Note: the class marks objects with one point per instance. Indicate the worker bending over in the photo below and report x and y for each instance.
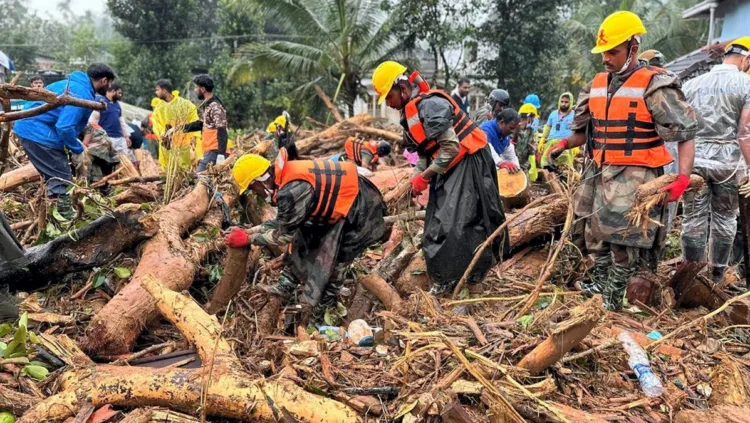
(456, 165)
(721, 98)
(498, 132)
(365, 154)
(281, 132)
(634, 110)
(327, 214)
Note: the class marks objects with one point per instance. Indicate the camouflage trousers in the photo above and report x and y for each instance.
(286, 288)
(718, 165)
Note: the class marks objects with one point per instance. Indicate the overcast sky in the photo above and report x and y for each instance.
(49, 7)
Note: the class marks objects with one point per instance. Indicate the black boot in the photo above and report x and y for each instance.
(65, 207)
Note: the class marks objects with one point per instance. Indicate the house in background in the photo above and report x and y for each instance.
(727, 21)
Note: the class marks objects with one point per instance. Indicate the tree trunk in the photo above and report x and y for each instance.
(230, 392)
(18, 177)
(306, 145)
(235, 275)
(166, 256)
(383, 290)
(537, 222)
(91, 246)
(327, 100)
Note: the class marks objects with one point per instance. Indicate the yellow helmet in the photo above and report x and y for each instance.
(739, 46)
(248, 168)
(528, 108)
(616, 29)
(384, 76)
(280, 120)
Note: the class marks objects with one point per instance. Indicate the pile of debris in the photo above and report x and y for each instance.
(97, 339)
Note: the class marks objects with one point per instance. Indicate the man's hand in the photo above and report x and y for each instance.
(237, 238)
(77, 161)
(512, 168)
(745, 185)
(220, 159)
(557, 149)
(676, 188)
(130, 143)
(419, 184)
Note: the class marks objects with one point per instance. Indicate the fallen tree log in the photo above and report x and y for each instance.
(569, 334)
(17, 177)
(307, 145)
(235, 275)
(383, 291)
(114, 329)
(537, 222)
(91, 246)
(327, 100)
(724, 414)
(220, 389)
(380, 133)
(12, 91)
(16, 402)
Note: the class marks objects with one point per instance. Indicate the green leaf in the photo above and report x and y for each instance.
(418, 272)
(341, 310)
(99, 280)
(525, 321)
(9, 350)
(35, 372)
(56, 214)
(5, 329)
(20, 352)
(20, 335)
(24, 321)
(122, 272)
(51, 230)
(464, 294)
(33, 338)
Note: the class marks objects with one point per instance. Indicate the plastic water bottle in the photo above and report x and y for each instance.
(638, 361)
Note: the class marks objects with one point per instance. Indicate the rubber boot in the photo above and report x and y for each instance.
(596, 278)
(617, 284)
(65, 207)
(717, 274)
(691, 252)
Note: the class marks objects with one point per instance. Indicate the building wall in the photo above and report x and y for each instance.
(736, 15)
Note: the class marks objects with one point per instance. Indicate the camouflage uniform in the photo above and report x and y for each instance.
(525, 146)
(481, 115)
(606, 195)
(101, 154)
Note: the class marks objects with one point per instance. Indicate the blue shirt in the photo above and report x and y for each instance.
(60, 126)
(497, 140)
(560, 129)
(109, 119)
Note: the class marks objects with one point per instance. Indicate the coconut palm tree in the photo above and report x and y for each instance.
(331, 43)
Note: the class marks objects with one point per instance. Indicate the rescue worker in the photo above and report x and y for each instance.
(558, 128)
(365, 154)
(213, 124)
(281, 132)
(496, 102)
(652, 58)
(50, 140)
(456, 165)
(461, 94)
(525, 139)
(498, 132)
(169, 115)
(112, 121)
(626, 153)
(101, 154)
(326, 212)
(721, 98)
(534, 99)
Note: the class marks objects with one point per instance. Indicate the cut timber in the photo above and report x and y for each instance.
(235, 275)
(553, 182)
(379, 133)
(114, 329)
(723, 414)
(16, 402)
(569, 334)
(655, 186)
(383, 291)
(683, 279)
(229, 391)
(642, 287)
(414, 277)
(537, 222)
(17, 177)
(91, 246)
(306, 145)
(728, 385)
(514, 188)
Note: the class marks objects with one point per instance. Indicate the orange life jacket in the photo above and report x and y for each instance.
(336, 184)
(470, 137)
(353, 148)
(624, 131)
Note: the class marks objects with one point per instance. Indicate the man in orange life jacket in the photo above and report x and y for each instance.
(213, 123)
(327, 214)
(456, 165)
(629, 112)
(365, 154)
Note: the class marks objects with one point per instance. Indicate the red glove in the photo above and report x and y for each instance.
(512, 168)
(419, 184)
(676, 188)
(237, 238)
(558, 149)
(538, 158)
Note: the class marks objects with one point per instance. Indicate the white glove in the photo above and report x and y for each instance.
(745, 184)
(220, 159)
(169, 133)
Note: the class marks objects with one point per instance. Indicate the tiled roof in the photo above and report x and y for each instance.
(698, 62)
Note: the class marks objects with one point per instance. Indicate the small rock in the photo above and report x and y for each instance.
(305, 349)
(382, 350)
(265, 366)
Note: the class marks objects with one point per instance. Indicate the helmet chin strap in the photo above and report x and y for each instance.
(631, 54)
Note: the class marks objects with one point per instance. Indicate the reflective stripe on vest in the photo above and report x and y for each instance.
(624, 133)
(353, 148)
(335, 186)
(470, 137)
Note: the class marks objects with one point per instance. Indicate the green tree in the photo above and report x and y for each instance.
(18, 33)
(333, 43)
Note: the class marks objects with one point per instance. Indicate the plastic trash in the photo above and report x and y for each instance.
(655, 335)
(360, 333)
(332, 333)
(638, 361)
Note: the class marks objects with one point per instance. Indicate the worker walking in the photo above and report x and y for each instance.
(213, 124)
(633, 110)
(456, 165)
(171, 113)
(328, 215)
(498, 100)
(721, 98)
(365, 154)
(558, 128)
(48, 138)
